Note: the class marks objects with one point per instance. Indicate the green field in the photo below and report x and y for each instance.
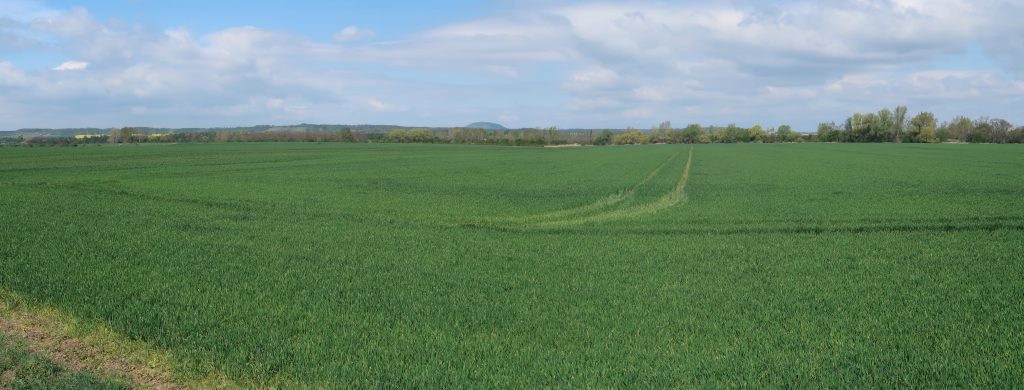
(360, 265)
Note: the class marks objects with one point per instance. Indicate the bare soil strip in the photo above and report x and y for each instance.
(92, 348)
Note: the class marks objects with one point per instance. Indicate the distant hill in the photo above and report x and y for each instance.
(29, 133)
(69, 132)
(485, 126)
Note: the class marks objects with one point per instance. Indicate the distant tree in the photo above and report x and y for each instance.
(922, 128)
(731, 134)
(418, 135)
(345, 135)
(785, 133)
(1016, 135)
(881, 130)
(829, 132)
(658, 135)
(857, 127)
(663, 133)
(756, 134)
(396, 135)
(1000, 131)
(605, 138)
(692, 134)
(630, 137)
(899, 123)
(959, 128)
(552, 135)
(223, 136)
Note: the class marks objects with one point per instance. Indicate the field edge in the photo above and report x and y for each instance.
(94, 348)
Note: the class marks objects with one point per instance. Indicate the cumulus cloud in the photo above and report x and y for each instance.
(353, 33)
(595, 64)
(593, 78)
(71, 65)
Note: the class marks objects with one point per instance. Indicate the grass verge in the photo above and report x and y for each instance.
(43, 347)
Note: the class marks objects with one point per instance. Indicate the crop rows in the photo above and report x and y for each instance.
(365, 265)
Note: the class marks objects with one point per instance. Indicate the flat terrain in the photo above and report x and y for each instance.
(23, 369)
(294, 264)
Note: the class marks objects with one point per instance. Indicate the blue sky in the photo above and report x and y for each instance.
(521, 63)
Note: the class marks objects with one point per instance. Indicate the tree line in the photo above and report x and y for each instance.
(894, 126)
(883, 126)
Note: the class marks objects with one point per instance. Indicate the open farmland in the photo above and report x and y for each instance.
(302, 264)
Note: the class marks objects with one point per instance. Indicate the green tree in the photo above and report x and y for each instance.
(959, 128)
(397, 135)
(785, 133)
(419, 135)
(756, 134)
(881, 129)
(899, 123)
(922, 128)
(630, 137)
(732, 134)
(829, 132)
(693, 134)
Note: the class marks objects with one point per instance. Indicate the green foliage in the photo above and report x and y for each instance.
(922, 128)
(899, 123)
(410, 136)
(829, 132)
(870, 127)
(345, 135)
(298, 265)
(757, 134)
(631, 137)
(730, 134)
(693, 134)
(785, 133)
(604, 138)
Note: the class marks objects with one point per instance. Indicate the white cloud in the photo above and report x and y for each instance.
(593, 78)
(600, 64)
(380, 106)
(353, 33)
(72, 65)
(654, 94)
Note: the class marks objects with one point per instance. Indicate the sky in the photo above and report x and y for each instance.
(521, 63)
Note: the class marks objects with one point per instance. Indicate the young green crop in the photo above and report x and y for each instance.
(341, 265)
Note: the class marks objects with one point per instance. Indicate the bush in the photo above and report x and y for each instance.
(631, 137)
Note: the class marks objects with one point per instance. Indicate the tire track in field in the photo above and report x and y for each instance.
(602, 203)
(668, 200)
